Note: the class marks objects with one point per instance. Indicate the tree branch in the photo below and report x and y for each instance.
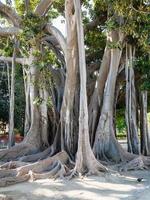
(9, 13)
(9, 31)
(23, 61)
(95, 22)
(58, 35)
(139, 11)
(43, 7)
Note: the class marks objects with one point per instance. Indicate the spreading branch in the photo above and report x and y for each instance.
(23, 61)
(139, 11)
(58, 35)
(43, 7)
(9, 31)
(9, 13)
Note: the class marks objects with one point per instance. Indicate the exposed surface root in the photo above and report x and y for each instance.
(43, 165)
(7, 172)
(13, 180)
(13, 165)
(94, 168)
(139, 162)
(36, 157)
(73, 173)
(57, 170)
(51, 167)
(17, 151)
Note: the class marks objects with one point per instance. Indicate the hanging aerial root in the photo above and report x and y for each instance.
(17, 151)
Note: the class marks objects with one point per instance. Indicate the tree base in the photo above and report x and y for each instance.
(137, 163)
(16, 171)
(17, 151)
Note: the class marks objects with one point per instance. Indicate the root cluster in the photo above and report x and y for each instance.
(13, 172)
(41, 166)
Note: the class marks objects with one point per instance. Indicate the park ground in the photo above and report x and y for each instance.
(110, 187)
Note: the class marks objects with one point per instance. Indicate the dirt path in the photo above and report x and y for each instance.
(91, 188)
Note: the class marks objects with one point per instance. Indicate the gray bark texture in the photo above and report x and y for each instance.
(106, 146)
(68, 120)
(12, 102)
(85, 160)
(131, 104)
(144, 129)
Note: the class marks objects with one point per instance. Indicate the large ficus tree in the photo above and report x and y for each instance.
(71, 85)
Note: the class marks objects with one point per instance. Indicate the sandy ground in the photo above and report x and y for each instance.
(89, 188)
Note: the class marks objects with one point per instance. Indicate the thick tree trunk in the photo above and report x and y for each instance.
(68, 121)
(131, 105)
(145, 135)
(106, 146)
(33, 140)
(85, 160)
(33, 136)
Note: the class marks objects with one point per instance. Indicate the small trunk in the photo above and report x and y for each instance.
(97, 97)
(26, 77)
(131, 113)
(145, 135)
(8, 78)
(12, 103)
(117, 90)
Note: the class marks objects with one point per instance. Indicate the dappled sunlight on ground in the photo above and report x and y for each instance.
(89, 188)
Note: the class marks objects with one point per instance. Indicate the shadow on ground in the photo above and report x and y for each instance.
(90, 188)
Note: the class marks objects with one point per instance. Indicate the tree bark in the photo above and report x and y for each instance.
(145, 135)
(12, 103)
(26, 77)
(131, 105)
(33, 136)
(44, 116)
(8, 78)
(85, 160)
(97, 97)
(10, 13)
(106, 146)
(68, 136)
